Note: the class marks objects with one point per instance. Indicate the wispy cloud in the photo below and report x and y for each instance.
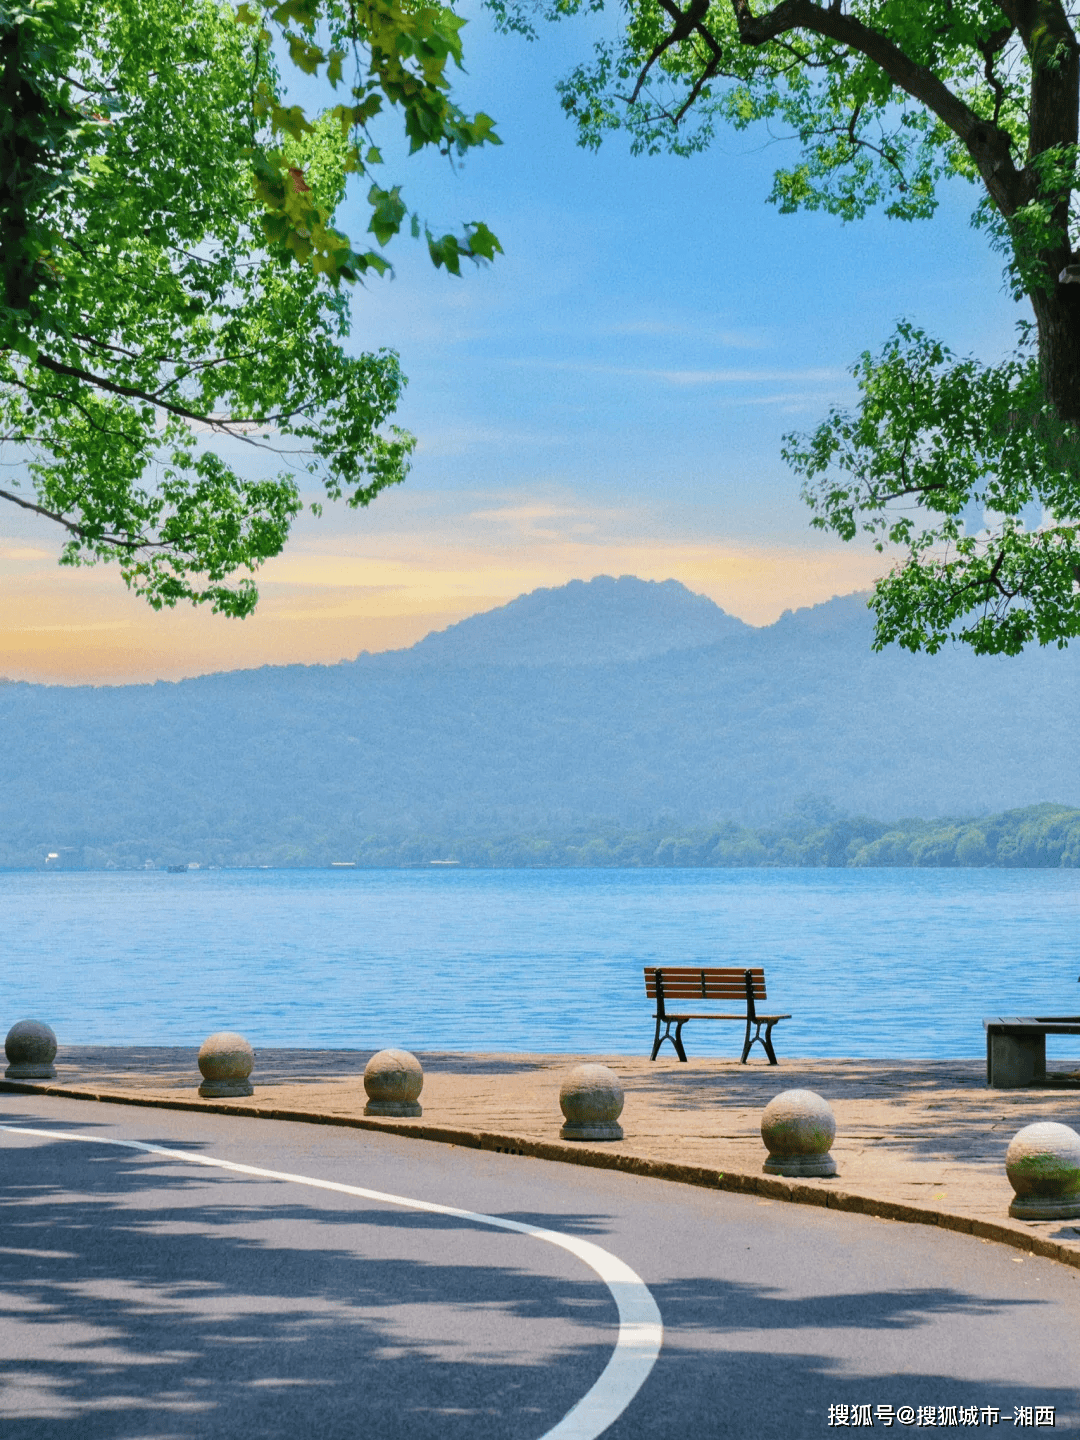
(24, 552)
(459, 439)
(746, 377)
(72, 629)
(679, 328)
(790, 401)
(813, 374)
(544, 521)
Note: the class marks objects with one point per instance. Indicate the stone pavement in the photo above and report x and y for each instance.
(922, 1141)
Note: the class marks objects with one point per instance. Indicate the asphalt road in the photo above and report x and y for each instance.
(144, 1295)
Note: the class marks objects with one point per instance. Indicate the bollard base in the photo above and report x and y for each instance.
(1043, 1207)
(823, 1166)
(591, 1132)
(393, 1107)
(30, 1072)
(225, 1089)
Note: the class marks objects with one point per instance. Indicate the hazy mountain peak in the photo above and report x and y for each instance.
(848, 616)
(585, 622)
(296, 765)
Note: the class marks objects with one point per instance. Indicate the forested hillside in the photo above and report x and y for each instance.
(667, 730)
(1037, 837)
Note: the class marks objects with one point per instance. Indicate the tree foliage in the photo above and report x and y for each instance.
(886, 100)
(174, 358)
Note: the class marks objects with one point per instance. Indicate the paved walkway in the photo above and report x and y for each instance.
(923, 1141)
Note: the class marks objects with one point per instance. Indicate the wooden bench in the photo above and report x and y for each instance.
(1016, 1047)
(684, 982)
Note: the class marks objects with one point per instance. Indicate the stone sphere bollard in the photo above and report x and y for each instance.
(393, 1080)
(592, 1100)
(1043, 1166)
(798, 1128)
(225, 1061)
(30, 1048)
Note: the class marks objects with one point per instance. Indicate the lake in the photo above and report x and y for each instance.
(870, 962)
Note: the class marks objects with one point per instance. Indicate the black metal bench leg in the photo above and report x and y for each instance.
(675, 1039)
(747, 1042)
(767, 1042)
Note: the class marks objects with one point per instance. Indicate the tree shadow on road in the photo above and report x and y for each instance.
(144, 1299)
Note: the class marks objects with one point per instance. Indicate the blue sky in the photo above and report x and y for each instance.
(655, 325)
(608, 397)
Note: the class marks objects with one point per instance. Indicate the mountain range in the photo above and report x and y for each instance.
(595, 707)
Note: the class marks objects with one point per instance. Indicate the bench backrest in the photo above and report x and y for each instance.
(692, 982)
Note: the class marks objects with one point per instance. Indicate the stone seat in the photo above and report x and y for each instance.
(1016, 1047)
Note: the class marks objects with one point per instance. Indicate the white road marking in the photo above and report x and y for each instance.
(641, 1330)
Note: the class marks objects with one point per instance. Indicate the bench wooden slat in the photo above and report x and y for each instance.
(689, 976)
(704, 978)
(689, 971)
(708, 992)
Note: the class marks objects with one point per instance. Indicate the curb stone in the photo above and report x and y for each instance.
(796, 1192)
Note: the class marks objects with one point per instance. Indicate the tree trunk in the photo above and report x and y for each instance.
(1057, 314)
(19, 157)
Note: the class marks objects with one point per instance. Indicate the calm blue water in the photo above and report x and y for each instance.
(871, 963)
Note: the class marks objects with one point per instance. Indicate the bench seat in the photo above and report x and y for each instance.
(714, 1015)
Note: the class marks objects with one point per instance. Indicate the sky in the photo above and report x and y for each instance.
(609, 397)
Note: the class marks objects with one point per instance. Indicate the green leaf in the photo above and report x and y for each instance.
(445, 251)
(387, 213)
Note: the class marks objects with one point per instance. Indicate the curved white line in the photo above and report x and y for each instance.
(641, 1330)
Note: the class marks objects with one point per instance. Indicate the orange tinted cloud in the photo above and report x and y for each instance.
(378, 582)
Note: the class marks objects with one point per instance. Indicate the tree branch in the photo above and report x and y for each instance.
(986, 584)
(686, 22)
(133, 440)
(80, 531)
(988, 49)
(228, 426)
(130, 392)
(989, 145)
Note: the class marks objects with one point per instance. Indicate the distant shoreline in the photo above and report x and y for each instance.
(1036, 837)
